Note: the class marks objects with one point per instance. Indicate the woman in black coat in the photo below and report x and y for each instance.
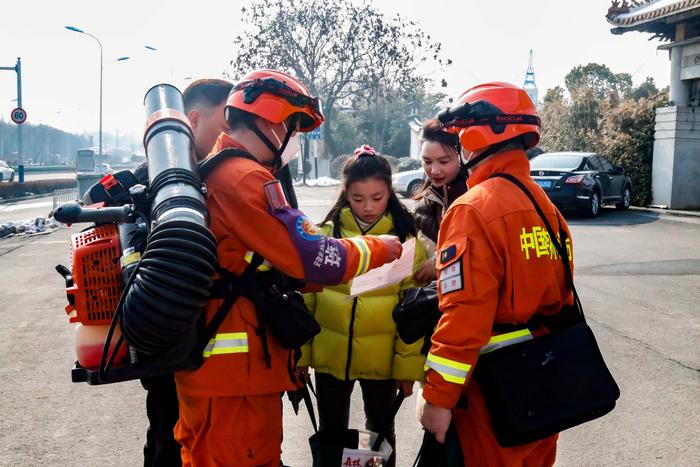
(445, 182)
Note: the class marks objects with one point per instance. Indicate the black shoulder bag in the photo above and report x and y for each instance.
(417, 314)
(540, 387)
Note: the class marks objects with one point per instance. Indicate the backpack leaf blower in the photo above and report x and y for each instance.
(140, 275)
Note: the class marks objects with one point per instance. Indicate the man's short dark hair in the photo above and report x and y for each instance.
(207, 92)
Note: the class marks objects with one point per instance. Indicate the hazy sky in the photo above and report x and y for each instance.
(487, 40)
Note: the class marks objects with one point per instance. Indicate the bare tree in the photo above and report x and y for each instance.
(348, 53)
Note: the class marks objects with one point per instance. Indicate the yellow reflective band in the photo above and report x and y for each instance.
(450, 370)
(227, 343)
(265, 266)
(504, 340)
(130, 258)
(365, 254)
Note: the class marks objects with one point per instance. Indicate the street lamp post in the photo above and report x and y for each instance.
(74, 29)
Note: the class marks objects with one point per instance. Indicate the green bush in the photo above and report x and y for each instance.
(35, 187)
(627, 138)
(618, 124)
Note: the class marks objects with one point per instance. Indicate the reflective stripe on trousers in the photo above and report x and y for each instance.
(226, 343)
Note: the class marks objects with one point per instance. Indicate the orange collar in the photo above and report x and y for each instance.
(513, 162)
(225, 141)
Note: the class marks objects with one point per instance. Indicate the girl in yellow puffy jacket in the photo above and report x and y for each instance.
(358, 339)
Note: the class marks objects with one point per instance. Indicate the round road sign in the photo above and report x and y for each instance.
(18, 115)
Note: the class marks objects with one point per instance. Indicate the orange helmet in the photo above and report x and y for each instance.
(275, 96)
(493, 113)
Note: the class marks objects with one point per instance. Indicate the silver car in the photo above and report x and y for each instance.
(7, 173)
(408, 183)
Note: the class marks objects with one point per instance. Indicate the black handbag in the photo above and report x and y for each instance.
(433, 453)
(542, 386)
(417, 314)
(327, 445)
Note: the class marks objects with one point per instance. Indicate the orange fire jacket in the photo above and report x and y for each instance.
(495, 264)
(242, 223)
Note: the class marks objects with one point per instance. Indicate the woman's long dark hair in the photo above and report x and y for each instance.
(366, 163)
(432, 131)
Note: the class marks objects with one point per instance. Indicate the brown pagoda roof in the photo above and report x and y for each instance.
(654, 16)
(635, 13)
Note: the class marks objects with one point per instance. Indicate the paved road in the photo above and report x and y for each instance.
(638, 275)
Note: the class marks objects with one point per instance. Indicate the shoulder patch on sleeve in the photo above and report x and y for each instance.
(451, 252)
(448, 253)
(450, 273)
(307, 229)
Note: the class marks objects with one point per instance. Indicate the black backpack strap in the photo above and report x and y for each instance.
(235, 288)
(257, 298)
(307, 390)
(388, 418)
(560, 246)
(208, 165)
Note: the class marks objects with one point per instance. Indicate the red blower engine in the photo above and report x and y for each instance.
(140, 275)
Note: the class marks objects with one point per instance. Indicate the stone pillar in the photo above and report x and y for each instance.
(676, 166)
(679, 92)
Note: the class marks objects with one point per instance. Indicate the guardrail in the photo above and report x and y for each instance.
(63, 196)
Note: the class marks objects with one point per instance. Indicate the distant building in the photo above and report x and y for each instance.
(530, 86)
(676, 166)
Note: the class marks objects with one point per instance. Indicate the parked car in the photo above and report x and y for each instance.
(406, 163)
(7, 173)
(407, 183)
(103, 168)
(581, 180)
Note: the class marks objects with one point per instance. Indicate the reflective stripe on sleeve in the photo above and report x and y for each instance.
(365, 254)
(450, 370)
(504, 340)
(226, 343)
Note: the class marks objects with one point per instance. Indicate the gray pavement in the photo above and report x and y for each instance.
(638, 274)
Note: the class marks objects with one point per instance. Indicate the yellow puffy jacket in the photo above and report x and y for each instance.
(358, 338)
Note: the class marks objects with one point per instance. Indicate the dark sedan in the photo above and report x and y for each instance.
(581, 180)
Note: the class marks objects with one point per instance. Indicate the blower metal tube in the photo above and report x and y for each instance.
(169, 291)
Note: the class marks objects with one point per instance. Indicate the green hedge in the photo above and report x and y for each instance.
(44, 169)
(34, 187)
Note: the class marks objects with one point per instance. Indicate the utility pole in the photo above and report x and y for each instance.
(20, 155)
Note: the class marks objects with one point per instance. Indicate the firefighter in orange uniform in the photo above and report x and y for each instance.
(230, 408)
(496, 266)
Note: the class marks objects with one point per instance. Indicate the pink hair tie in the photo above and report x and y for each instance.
(365, 150)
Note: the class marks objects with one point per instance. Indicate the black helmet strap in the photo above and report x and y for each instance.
(490, 151)
(277, 152)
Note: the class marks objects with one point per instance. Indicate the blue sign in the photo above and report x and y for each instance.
(315, 133)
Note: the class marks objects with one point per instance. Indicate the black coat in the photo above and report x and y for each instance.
(434, 202)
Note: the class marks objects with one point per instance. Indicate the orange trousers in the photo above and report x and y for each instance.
(230, 431)
(479, 445)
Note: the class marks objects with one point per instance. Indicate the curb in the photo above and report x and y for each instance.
(668, 212)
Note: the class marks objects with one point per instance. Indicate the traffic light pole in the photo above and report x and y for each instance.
(20, 155)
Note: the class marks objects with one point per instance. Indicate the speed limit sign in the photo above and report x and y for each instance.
(18, 115)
